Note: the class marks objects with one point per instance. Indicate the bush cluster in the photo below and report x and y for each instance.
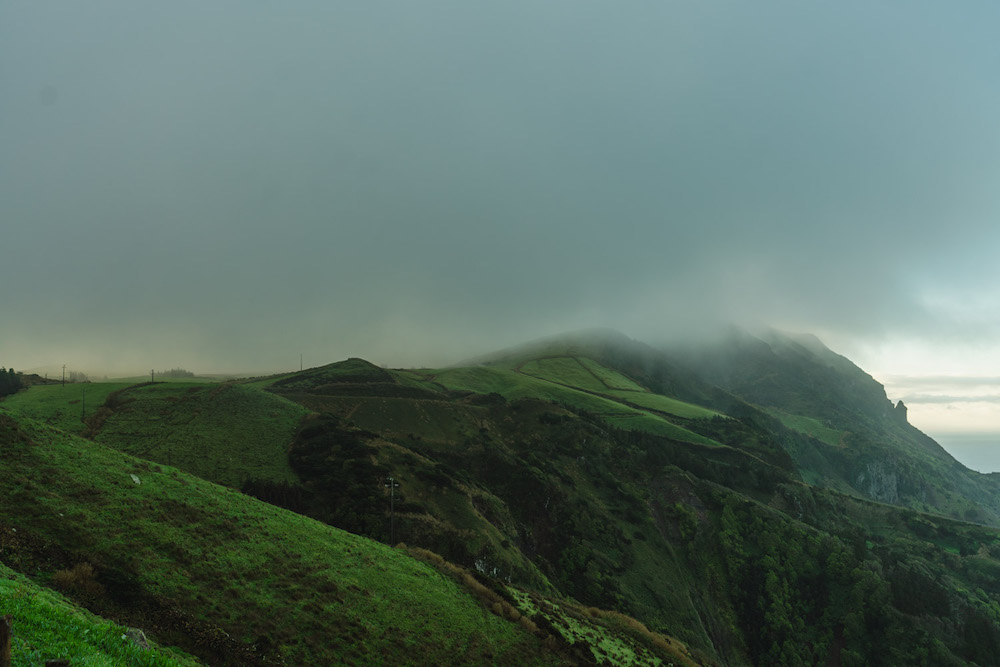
(81, 578)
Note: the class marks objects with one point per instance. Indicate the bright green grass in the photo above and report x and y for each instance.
(513, 386)
(563, 370)
(62, 405)
(611, 379)
(226, 433)
(665, 404)
(611, 638)
(418, 379)
(811, 427)
(322, 595)
(49, 627)
(643, 421)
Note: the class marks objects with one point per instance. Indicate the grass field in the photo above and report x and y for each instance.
(564, 370)
(512, 386)
(305, 592)
(611, 379)
(47, 626)
(672, 406)
(62, 406)
(814, 428)
(225, 433)
(643, 421)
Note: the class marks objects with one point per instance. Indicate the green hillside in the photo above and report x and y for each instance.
(247, 581)
(66, 407)
(572, 501)
(225, 433)
(47, 626)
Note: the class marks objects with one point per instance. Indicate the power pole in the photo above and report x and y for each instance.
(392, 485)
(151, 374)
(64, 375)
(300, 361)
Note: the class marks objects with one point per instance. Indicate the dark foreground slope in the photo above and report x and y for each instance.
(229, 578)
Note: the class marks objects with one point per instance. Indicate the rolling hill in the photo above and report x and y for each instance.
(725, 504)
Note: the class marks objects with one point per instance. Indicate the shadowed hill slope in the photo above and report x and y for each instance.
(861, 444)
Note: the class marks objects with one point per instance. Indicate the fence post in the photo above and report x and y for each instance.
(6, 626)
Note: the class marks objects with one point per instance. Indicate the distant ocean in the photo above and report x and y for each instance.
(979, 451)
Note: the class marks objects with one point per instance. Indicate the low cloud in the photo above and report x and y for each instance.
(416, 184)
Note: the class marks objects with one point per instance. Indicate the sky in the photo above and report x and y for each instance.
(224, 186)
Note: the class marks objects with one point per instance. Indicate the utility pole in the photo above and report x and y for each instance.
(151, 374)
(83, 414)
(392, 485)
(64, 375)
(300, 361)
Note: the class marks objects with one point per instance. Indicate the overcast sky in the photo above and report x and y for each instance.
(225, 185)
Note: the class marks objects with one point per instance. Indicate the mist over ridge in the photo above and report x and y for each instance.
(227, 187)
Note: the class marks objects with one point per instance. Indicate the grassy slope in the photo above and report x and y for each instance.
(513, 386)
(318, 594)
(814, 428)
(661, 403)
(47, 626)
(62, 405)
(226, 433)
(223, 432)
(612, 379)
(564, 370)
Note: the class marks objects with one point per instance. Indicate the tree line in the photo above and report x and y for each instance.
(10, 382)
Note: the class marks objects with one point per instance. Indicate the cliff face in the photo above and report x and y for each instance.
(879, 481)
(870, 445)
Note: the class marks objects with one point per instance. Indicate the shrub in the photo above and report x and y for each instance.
(81, 578)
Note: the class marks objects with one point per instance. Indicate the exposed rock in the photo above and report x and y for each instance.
(879, 482)
(900, 413)
(138, 638)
